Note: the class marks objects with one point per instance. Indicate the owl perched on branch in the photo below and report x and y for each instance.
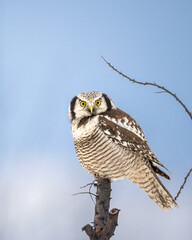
(110, 144)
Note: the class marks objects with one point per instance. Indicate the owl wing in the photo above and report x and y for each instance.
(124, 130)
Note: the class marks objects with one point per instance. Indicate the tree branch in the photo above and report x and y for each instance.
(182, 186)
(164, 90)
(151, 84)
(105, 222)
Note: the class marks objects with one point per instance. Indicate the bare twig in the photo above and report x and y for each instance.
(89, 192)
(182, 186)
(161, 92)
(92, 184)
(89, 184)
(151, 84)
(84, 193)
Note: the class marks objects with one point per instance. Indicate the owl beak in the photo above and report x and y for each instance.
(91, 108)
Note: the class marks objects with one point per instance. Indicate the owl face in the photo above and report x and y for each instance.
(89, 104)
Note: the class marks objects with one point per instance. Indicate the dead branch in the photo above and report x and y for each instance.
(105, 222)
(151, 84)
(90, 184)
(182, 186)
(164, 90)
(89, 192)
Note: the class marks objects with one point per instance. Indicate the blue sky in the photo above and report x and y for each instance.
(50, 51)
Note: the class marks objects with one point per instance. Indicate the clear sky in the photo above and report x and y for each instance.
(50, 51)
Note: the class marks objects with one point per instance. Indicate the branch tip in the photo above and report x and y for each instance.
(182, 186)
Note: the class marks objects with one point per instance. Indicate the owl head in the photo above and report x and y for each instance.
(88, 104)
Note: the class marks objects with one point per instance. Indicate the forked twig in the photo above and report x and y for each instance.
(89, 192)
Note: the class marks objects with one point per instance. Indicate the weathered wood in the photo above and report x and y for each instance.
(105, 222)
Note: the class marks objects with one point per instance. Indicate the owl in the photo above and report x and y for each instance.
(110, 144)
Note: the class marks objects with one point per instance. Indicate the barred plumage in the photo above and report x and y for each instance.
(110, 144)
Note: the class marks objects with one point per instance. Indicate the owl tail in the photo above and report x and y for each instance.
(146, 178)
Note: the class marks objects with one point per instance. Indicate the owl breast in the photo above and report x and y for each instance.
(99, 154)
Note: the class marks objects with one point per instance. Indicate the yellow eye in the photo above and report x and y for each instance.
(83, 104)
(98, 102)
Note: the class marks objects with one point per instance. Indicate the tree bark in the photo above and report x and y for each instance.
(105, 221)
